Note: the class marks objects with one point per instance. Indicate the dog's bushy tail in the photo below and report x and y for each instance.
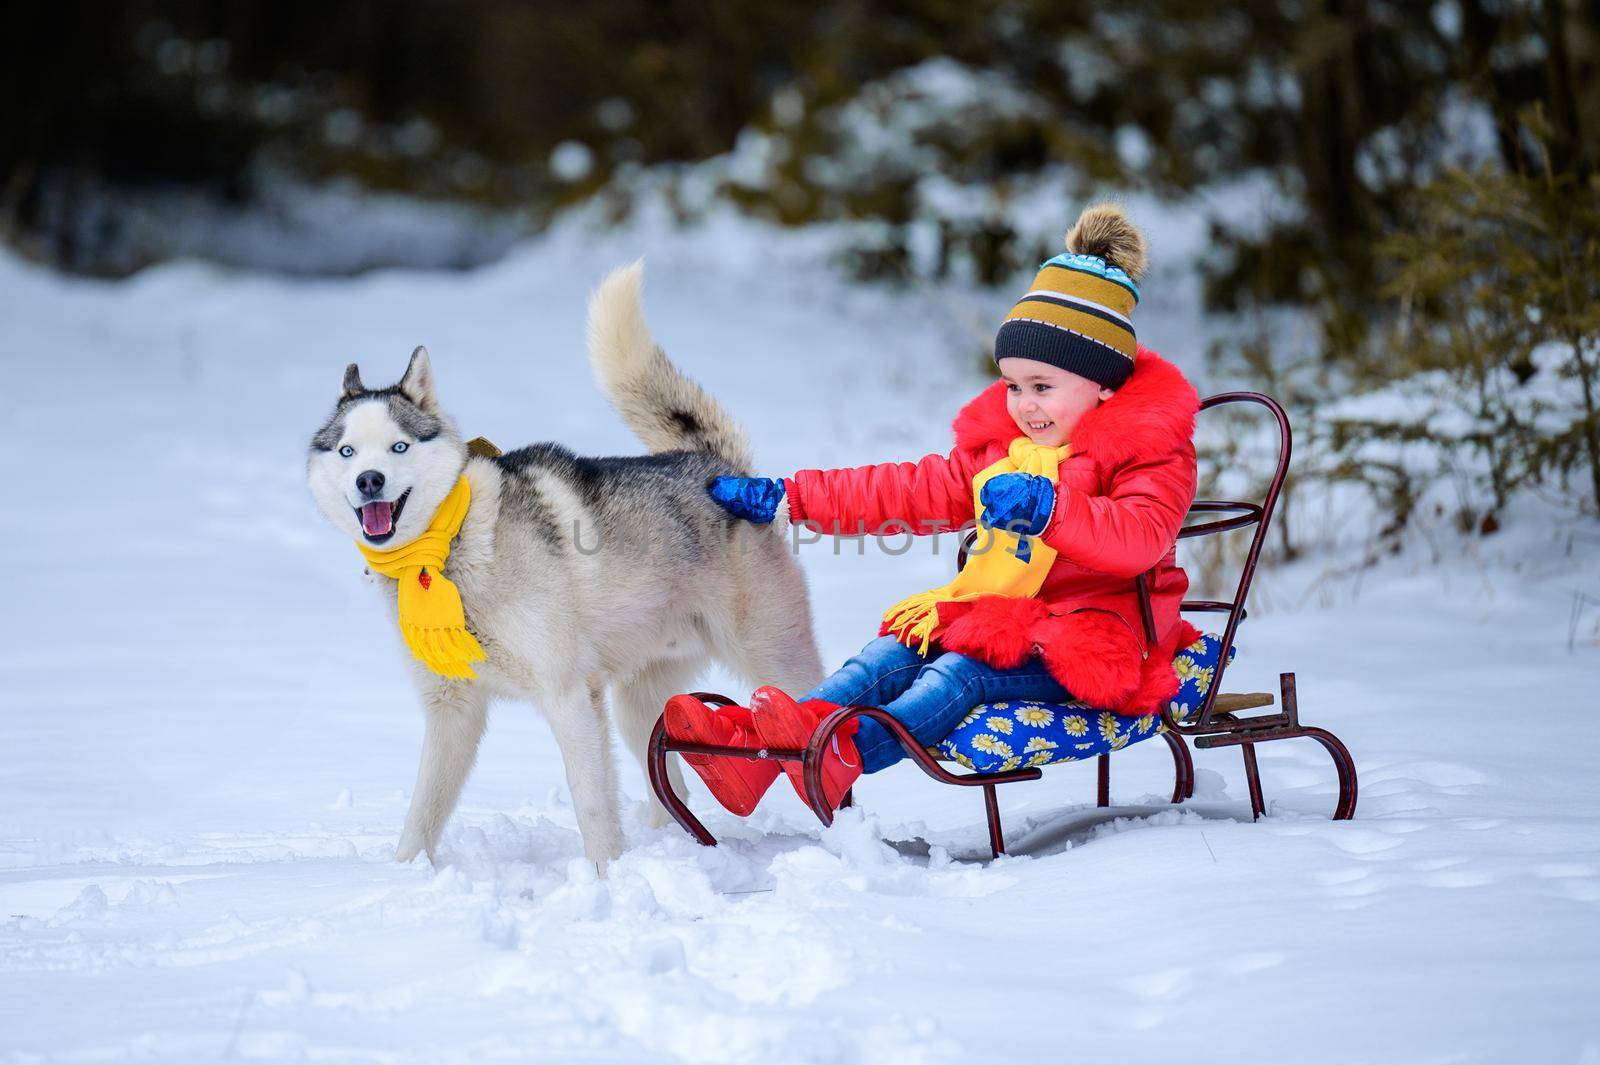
(664, 408)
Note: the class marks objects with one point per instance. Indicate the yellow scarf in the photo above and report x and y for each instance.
(431, 616)
(999, 566)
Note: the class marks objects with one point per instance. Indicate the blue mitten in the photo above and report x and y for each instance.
(751, 498)
(1020, 503)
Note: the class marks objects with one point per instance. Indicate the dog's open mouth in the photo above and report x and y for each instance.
(378, 517)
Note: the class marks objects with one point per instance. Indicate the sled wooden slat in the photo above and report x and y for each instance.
(1233, 702)
(1215, 724)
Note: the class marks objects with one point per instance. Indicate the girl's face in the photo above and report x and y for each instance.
(1046, 402)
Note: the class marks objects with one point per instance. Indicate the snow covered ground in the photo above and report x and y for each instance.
(206, 739)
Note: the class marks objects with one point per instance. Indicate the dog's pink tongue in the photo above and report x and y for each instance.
(377, 518)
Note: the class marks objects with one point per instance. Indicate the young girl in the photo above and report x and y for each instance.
(1079, 466)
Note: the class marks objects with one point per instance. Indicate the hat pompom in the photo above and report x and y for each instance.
(1102, 229)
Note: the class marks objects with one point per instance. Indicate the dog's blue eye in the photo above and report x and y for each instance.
(399, 446)
(347, 451)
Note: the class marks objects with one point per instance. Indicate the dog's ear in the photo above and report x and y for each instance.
(417, 384)
(352, 381)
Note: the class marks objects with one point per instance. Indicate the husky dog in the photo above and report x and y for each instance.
(578, 575)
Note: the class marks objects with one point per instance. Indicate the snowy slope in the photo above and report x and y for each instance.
(207, 739)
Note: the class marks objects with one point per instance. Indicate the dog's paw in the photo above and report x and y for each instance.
(603, 853)
(409, 847)
(370, 577)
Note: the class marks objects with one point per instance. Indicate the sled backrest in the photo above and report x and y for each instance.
(1236, 514)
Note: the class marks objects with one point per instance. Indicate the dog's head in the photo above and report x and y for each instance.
(386, 458)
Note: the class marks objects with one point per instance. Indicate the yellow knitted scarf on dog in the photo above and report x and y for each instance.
(994, 566)
(431, 616)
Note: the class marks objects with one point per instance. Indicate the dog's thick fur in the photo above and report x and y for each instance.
(580, 576)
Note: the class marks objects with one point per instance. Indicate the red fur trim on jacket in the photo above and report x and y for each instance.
(996, 629)
(1094, 655)
(1096, 658)
(1151, 415)
(1158, 681)
(1091, 652)
(985, 420)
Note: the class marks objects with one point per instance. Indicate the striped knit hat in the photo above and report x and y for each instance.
(1077, 314)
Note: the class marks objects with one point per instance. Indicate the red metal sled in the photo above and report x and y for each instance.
(1222, 721)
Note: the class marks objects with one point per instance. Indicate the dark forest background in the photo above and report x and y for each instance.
(1438, 160)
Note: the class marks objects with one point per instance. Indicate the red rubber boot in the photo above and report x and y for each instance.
(737, 783)
(781, 722)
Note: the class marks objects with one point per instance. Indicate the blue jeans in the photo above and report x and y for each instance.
(928, 696)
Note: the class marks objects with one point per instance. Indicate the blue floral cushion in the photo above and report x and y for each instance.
(998, 737)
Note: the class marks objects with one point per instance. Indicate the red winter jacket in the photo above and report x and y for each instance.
(1121, 499)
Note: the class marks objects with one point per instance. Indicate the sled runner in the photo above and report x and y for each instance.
(990, 740)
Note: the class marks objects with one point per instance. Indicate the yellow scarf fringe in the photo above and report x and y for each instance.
(993, 567)
(432, 619)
